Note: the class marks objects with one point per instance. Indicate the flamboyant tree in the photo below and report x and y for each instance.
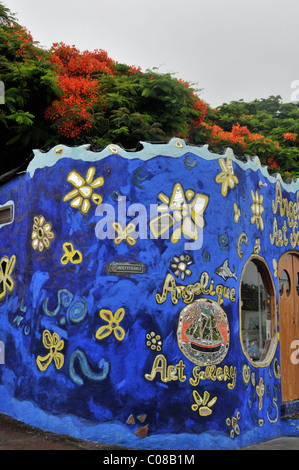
(72, 113)
(30, 85)
(63, 95)
(268, 128)
(118, 101)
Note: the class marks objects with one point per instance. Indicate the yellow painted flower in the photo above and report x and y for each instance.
(124, 233)
(154, 341)
(203, 404)
(187, 208)
(70, 254)
(233, 423)
(6, 281)
(227, 177)
(257, 209)
(54, 344)
(179, 265)
(113, 324)
(84, 190)
(42, 234)
(237, 213)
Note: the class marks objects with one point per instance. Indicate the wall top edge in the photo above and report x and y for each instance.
(175, 148)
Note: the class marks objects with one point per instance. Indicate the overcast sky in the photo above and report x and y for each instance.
(232, 49)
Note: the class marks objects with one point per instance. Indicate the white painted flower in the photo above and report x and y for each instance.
(84, 190)
(227, 177)
(257, 209)
(180, 266)
(42, 234)
(237, 213)
(187, 208)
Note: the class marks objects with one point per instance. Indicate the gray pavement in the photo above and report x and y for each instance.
(281, 443)
(15, 435)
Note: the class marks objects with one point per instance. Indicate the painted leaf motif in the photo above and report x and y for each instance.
(64, 259)
(224, 188)
(44, 362)
(118, 228)
(131, 241)
(223, 165)
(58, 360)
(119, 315)
(197, 397)
(90, 174)
(76, 179)
(55, 338)
(106, 315)
(176, 235)
(220, 178)
(97, 182)
(70, 195)
(96, 198)
(103, 332)
(85, 206)
(77, 201)
(47, 339)
(119, 333)
(46, 242)
(212, 402)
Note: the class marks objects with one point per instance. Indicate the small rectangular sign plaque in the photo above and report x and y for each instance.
(125, 267)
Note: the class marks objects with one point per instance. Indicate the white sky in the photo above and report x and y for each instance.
(232, 49)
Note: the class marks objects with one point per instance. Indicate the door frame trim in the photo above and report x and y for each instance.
(287, 408)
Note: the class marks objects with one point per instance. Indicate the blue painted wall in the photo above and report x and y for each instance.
(104, 357)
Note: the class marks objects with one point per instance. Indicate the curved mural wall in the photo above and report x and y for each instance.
(120, 296)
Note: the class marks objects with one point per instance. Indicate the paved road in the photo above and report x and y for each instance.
(15, 435)
(281, 443)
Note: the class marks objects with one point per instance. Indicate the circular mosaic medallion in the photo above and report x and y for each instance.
(203, 332)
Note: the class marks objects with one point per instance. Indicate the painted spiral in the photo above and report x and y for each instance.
(65, 298)
(77, 311)
(80, 355)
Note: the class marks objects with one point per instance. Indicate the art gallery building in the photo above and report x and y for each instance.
(149, 298)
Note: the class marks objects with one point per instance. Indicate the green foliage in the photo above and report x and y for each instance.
(6, 16)
(142, 106)
(277, 125)
(30, 85)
